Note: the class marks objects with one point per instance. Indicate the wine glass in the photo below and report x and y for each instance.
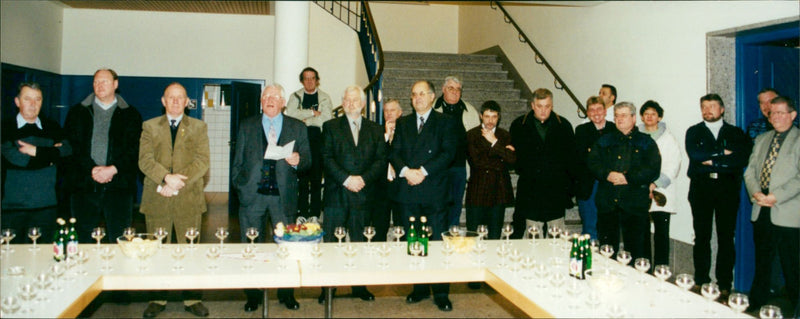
(428, 230)
(624, 257)
(507, 230)
(503, 251)
(685, 281)
(177, 254)
(533, 231)
(514, 258)
(384, 251)
(27, 292)
(97, 234)
(350, 252)
(58, 271)
(212, 253)
(144, 253)
(160, 234)
(369, 232)
(454, 230)
(107, 253)
(416, 249)
(482, 231)
(398, 233)
(221, 234)
(10, 305)
(663, 273)
(478, 250)
(594, 244)
(738, 302)
(42, 281)
(540, 271)
(252, 234)
(282, 253)
(556, 281)
(316, 252)
(129, 233)
(642, 265)
(70, 263)
(770, 311)
(81, 258)
(527, 265)
(248, 253)
(447, 251)
(339, 232)
(191, 234)
(711, 292)
(34, 233)
(574, 288)
(8, 234)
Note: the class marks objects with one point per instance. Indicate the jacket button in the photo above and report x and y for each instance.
(616, 200)
(619, 156)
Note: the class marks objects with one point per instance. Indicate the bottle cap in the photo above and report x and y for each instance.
(423, 219)
(412, 218)
(72, 220)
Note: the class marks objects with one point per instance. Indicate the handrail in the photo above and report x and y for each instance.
(376, 79)
(558, 83)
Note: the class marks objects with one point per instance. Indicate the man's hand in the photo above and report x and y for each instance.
(167, 191)
(104, 174)
(414, 176)
(293, 159)
(354, 183)
(27, 149)
(617, 178)
(727, 152)
(488, 135)
(765, 200)
(652, 187)
(316, 113)
(511, 148)
(708, 163)
(175, 181)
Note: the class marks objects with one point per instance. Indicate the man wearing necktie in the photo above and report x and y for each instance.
(423, 148)
(354, 158)
(387, 209)
(174, 165)
(267, 188)
(773, 182)
(32, 148)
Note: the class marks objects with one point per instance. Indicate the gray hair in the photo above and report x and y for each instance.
(452, 78)
(277, 86)
(625, 105)
(356, 88)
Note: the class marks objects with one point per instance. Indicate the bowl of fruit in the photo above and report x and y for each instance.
(299, 237)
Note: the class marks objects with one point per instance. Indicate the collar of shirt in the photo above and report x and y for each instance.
(177, 119)
(356, 120)
(424, 116)
(310, 93)
(714, 127)
(277, 121)
(105, 106)
(21, 122)
(484, 127)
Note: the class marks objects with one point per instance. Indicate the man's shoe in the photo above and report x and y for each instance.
(152, 310)
(474, 285)
(443, 304)
(290, 303)
(197, 309)
(364, 295)
(251, 306)
(414, 298)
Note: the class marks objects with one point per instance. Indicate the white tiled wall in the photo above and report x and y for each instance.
(218, 136)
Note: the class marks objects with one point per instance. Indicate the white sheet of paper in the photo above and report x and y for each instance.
(277, 152)
(159, 188)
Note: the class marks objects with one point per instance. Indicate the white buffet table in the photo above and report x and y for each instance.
(535, 298)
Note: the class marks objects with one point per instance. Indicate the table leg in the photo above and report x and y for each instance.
(328, 302)
(265, 311)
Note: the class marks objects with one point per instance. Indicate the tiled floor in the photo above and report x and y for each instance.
(389, 301)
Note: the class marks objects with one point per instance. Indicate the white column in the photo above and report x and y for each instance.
(291, 42)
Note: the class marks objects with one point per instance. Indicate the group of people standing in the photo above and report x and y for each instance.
(622, 175)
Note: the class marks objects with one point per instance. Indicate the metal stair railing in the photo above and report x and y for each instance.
(558, 83)
(357, 16)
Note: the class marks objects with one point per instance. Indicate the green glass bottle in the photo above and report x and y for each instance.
(59, 241)
(411, 237)
(581, 259)
(423, 235)
(587, 261)
(72, 239)
(574, 258)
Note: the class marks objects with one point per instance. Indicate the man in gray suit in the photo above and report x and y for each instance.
(773, 181)
(268, 188)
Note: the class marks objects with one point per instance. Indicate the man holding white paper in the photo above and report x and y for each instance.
(266, 179)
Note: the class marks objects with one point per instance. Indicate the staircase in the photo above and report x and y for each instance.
(483, 79)
(482, 76)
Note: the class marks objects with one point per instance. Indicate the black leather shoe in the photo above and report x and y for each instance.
(474, 285)
(152, 310)
(197, 309)
(443, 304)
(251, 306)
(364, 295)
(414, 298)
(290, 303)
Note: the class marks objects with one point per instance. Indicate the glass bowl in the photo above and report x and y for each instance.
(141, 245)
(461, 242)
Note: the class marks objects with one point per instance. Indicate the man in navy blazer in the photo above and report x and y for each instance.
(268, 189)
(424, 145)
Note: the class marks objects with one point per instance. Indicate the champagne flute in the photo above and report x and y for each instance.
(221, 234)
(212, 253)
(685, 281)
(642, 265)
(533, 231)
(340, 233)
(160, 234)
(369, 232)
(34, 233)
(507, 230)
(129, 233)
(107, 253)
(663, 273)
(711, 292)
(8, 234)
(738, 302)
(191, 234)
(252, 234)
(398, 233)
(177, 254)
(482, 231)
(97, 234)
(770, 311)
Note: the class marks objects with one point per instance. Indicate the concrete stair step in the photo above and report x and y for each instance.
(446, 57)
(440, 74)
(446, 65)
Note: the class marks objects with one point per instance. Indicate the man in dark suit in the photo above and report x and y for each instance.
(268, 188)
(718, 152)
(387, 209)
(424, 145)
(354, 157)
